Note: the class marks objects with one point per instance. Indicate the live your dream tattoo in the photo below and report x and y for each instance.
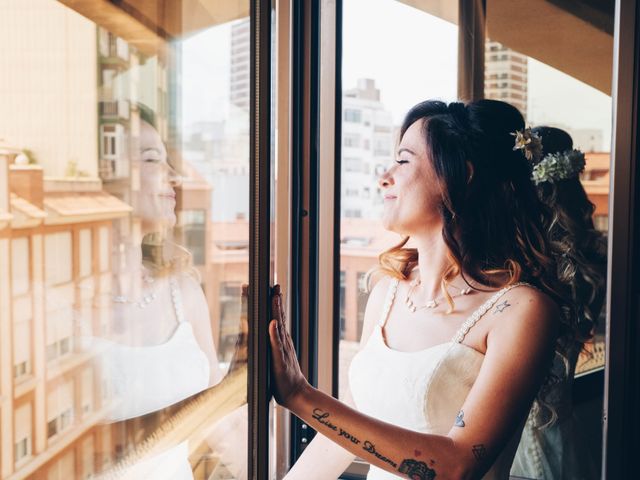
(413, 469)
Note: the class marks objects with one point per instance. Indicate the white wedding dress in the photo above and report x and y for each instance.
(422, 390)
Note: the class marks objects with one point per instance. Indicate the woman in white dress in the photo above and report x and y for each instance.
(157, 348)
(552, 444)
(460, 332)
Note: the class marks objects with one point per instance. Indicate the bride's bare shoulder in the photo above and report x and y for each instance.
(375, 304)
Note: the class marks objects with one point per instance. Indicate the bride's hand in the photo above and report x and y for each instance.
(288, 381)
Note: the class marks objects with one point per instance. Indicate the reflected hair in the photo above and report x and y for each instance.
(582, 264)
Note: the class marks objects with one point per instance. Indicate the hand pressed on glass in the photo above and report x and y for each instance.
(288, 378)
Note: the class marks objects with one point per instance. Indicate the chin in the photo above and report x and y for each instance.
(390, 224)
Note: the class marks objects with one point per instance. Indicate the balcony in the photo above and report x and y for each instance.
(114, 109)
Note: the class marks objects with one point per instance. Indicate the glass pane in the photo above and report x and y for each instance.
(124, 206)
(381, 80)
(556, 68)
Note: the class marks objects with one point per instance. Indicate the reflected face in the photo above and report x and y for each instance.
(411, 192)
(157, 197)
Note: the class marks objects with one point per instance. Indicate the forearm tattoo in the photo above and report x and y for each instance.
(479, 451)
(460, 419)
(413, 469)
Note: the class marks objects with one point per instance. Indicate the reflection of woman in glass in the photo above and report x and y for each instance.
(158, 348)
(551, 445)
(460, 333)
(162, 349)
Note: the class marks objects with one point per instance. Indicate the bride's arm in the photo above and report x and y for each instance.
(324, 459)
(518, 353)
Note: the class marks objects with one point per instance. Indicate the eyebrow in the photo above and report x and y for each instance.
(404, 149)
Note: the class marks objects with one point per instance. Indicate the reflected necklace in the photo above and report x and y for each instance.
(433, 303)
(143, 301)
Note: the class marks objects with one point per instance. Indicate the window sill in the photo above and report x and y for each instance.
(24, 385)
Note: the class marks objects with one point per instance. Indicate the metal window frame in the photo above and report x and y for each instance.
(258, 382)
(305, 64)
(622, 367)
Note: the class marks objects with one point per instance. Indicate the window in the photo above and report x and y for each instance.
(22, 433)
(351, 141)
(143, 173)
(58, 259)
(352, 115)
(194, 229)
(353, 164)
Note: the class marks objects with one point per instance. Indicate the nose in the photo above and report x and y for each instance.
(175, 179)
(385, 178)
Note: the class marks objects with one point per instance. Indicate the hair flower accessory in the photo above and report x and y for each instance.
(530, 143)
(559, 166)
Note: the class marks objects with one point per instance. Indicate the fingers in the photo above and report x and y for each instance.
(276, 342)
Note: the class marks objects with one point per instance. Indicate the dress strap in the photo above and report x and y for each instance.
(391, 295)
(176, 299)
(484, 308)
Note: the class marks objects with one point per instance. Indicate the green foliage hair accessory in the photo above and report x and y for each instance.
(530, 143)
(559, 166)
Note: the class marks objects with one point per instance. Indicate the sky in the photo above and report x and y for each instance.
(411, 56)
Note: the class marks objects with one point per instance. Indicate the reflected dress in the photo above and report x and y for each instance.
(139, 380)
(421, 390)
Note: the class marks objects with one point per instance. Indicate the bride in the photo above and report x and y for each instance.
(461, 329)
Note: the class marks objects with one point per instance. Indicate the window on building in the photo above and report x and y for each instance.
(194, 229)
(351, 141)
(352, 164)
(352, 115)
(58, 258)
(22, 432)
(230, 309)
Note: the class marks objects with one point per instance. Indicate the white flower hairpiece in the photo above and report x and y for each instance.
(530, 143)
(559, 166)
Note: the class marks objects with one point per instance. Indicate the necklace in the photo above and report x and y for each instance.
(433, 303)
(145, 300)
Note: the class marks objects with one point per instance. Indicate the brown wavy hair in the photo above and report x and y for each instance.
(494, 225)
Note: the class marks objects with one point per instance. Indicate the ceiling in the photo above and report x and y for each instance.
(573, 36)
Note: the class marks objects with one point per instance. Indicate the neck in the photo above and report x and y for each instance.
(432, 263)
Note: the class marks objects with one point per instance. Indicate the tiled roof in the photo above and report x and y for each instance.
(20, 205)
(75, 204)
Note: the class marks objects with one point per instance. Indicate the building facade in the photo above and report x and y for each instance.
(367, 149)
(505, 76)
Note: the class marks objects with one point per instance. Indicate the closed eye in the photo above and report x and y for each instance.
(400, 162)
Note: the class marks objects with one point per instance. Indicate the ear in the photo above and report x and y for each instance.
(469, 172)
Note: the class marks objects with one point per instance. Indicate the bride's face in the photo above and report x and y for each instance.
(157, 196)
(412, 194)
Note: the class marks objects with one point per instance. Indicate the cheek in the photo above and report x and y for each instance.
(150, 181)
